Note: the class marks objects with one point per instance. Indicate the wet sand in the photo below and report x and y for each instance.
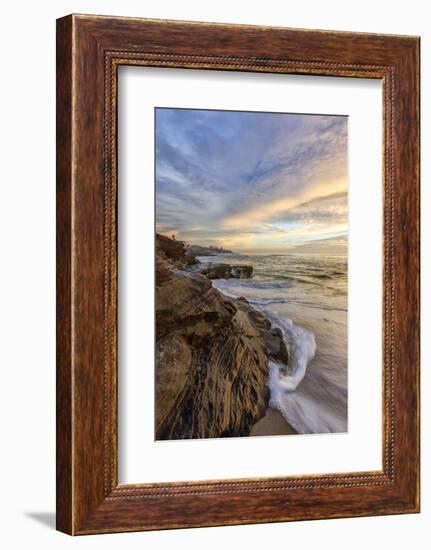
(273, 423)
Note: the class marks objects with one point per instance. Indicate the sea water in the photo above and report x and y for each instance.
(306, 297)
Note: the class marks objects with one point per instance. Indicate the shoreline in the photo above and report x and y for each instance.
(316, 329)
(206, 328)
(273, 423)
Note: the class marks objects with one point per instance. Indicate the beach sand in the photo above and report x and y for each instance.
(272, 423)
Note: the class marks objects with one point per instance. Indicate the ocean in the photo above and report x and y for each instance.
(306, 297)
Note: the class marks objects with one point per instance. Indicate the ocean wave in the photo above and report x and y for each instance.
(317, 306)
(234, 287)
(305, 397)
(309, 407)
(266, 301)
(269, 301)
(311, 393)
(308, 415)
(300, 342)
(222, 286)
(302, 410)
(302, 347)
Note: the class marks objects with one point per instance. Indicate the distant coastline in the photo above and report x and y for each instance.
(198, 250)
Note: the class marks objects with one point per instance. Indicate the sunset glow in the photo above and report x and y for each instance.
(252, 182)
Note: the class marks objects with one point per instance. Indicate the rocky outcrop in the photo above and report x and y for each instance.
(226, 271)
(276, 346)
(217, 271)
(178, 254)
(242, 271)
(197, 250)
(211, 354)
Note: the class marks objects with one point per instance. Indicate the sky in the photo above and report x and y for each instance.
(252, 182)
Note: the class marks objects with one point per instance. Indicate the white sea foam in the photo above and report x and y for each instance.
(282, 384)
(302, 347)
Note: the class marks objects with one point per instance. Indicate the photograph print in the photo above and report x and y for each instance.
(251, 251)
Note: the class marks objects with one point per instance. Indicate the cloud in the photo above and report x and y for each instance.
(253, 179)
(330, 247)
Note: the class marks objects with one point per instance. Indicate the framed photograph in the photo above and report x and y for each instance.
(237, 274)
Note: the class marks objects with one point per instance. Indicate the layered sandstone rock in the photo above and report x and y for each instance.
(211, 354)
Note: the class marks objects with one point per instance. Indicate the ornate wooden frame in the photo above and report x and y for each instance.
(89, 51)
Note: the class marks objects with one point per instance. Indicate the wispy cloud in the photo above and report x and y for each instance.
(251, 180)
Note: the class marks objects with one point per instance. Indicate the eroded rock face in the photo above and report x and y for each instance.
(175, 251)
(211, 355)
